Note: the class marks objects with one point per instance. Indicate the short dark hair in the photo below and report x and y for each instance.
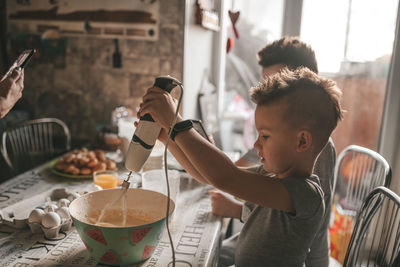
(288, 51)
(310, 101)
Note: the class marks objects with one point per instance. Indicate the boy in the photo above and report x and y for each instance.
(287, 52)
(292, 53)
(295, 115)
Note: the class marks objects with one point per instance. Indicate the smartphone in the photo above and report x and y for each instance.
(198, 126)
(21, 61)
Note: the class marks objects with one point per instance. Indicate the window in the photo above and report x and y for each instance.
(259, 22)
(353, 41)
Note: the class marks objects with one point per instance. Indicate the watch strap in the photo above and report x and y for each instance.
(181, 127)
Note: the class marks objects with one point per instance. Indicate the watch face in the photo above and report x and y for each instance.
(183, 125)
(180, 127)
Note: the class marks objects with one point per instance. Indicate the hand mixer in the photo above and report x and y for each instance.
(143, 141)
(147, 131)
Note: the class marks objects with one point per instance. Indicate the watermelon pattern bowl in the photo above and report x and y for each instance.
(120, 245)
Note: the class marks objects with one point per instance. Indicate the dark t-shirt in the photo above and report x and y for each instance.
(318, 255)
(272, 237)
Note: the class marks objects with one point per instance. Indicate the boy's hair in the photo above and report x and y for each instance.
(288, 51)
(311, 101)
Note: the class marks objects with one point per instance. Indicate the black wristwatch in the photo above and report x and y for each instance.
(180, 127)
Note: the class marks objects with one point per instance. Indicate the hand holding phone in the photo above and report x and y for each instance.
(21, 61)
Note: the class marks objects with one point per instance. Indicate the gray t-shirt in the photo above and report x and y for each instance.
(324, 169)
(272, 237)
(318, 255)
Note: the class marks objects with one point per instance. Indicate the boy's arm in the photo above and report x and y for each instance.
(221, 204)
(185, 163)
(224, 205)
(218, 170)
(249, 159)
(211, 163)
(242, 162)
(179, 156)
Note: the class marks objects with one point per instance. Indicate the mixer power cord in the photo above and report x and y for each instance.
(166, 177)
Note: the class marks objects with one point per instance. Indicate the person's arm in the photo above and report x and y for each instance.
(211, 163)
(178, 154)
(224, 205)
(249, 159)
(10, 91)
(220, 171)
(183, 160)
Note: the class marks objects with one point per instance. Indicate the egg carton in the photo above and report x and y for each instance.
(51, 219)
(52, 232)
(16, 215)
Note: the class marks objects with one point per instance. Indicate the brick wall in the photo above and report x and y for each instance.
(83, 91)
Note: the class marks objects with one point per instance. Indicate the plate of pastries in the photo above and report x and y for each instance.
(81, 163)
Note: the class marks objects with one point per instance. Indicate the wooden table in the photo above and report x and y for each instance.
(195, 231)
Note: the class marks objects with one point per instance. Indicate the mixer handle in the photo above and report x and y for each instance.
(166, 83)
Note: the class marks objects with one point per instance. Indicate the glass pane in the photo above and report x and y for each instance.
(264, 16)
(259, 23)
(353, 42)
(371, 29)
(323, 25)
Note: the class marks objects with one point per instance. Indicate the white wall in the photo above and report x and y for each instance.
(197, 58)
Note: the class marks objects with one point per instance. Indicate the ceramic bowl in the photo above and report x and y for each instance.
(120, 245)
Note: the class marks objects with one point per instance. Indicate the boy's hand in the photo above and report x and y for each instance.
(160, 105)
(163, 133)
(224, 205)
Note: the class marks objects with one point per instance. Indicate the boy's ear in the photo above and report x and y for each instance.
(304, 140)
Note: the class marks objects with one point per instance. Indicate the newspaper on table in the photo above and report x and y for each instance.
(195, 231)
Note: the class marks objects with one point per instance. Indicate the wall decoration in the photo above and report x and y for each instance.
(206, 16)
(129, 19)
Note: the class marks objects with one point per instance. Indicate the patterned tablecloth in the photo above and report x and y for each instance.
(195, 231)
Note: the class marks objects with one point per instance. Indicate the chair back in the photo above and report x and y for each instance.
(358, 171)
(33, 142)
(376, 237)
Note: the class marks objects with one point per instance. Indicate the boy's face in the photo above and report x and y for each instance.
(276, 142)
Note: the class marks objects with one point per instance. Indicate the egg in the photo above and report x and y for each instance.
(36, 216)
(51, 219)
(64, 213)
(63, 202)
(97, 187)
(50, 207)
(73, 196)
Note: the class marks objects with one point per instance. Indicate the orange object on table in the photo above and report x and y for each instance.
(106, 181)
(340, 234)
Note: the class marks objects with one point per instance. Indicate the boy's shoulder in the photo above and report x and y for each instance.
(307, 195)
(260, 170)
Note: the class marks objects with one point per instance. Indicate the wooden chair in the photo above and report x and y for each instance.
(33, 142)
(376, 237)
(357, 172)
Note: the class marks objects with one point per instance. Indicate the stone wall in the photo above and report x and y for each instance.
(83, 91)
